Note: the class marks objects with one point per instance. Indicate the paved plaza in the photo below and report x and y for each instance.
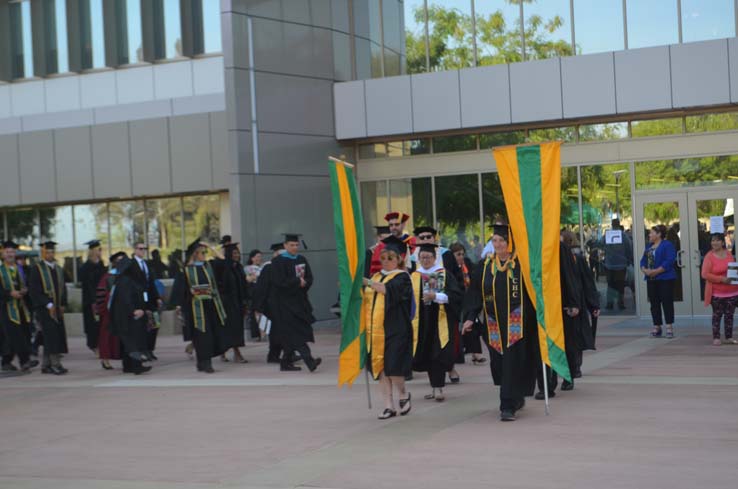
(648, 413)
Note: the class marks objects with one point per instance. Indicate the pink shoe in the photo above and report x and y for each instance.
(716, 342)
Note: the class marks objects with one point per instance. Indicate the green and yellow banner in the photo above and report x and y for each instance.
(349, 226)
(530, 176)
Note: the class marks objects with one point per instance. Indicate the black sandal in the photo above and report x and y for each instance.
(387, 414)
(405, 402)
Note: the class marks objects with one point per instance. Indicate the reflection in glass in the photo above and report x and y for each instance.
(364, 62)
(647, 29)
(373, 150)
(448, 144)
(23, 227)
(56, 224)
(393, 35)
(21, 43)
(376, 60)
(569, 199)
(598, 26)
(565, 134)
(422, 201)
(126, 225)
(666, 214)
(91, 222)
(172, 29)
(702, 20)
(128, 23)
(606, 195)
(457, 212)
(341, 56)
(709, 170)
(374, 204)
(726, 121)
(493, 204)
(498, 32)
(493, 139)
(656, 127)
(164, 221)
(603, 132)
(202, 218)
(58, 51)
(547, 29)
(392, 63)
(401, 200)
(93, 34)
(211, 25)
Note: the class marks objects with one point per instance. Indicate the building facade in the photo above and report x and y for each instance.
(165, 120)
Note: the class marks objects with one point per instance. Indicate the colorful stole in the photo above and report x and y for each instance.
(515, 316)
(443, 326)
(15, 306)
(198, 300)
(372, 315)
(47, 283)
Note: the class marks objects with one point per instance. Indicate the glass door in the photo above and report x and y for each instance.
(711, 211)
(671, 210)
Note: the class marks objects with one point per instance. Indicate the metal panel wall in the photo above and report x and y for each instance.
(485, 96)
(349, 99)
(699, 73)
(73, 163)
(733, 61)
(150, 169)
(111, 160)
(388, 106)
(38, 179)
(431, 112)
(191, 166)
(535, 90)
(9, 169)
(588, 84)
(643, 79)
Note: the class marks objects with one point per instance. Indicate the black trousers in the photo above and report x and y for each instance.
(661, 296)
(129, 364)
(437, 375)
(302, 348)
(91, 327)
(615, 286)
(151, 336)
(23, 358)
(275, 349)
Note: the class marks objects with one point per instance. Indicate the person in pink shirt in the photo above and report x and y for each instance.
(718, 289)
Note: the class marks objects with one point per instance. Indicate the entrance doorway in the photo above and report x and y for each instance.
(690, 217)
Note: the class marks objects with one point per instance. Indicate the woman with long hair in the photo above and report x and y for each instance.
(719, 289)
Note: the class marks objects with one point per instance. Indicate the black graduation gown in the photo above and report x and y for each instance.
(232, 287)
(261, 291)
(211, 342)
(54, 331)
(90, 274)
(428, 351)
(398, 328)
(515, 369)
(177, 297)
(577, 329)
(292, 315)
(591, 294)
(15, 339)
(127, 297)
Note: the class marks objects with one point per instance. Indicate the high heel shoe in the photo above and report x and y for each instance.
(106, 366)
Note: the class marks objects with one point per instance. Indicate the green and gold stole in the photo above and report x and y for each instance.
(47, 283)
(8, 278)
(372, 315)
(443, 326)
(207, 291)
(514, 316)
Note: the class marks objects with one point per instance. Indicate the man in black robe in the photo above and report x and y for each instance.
(232, 286)
(144, 277)
(129, 320)
(49, 298)
(292, 314)
(89, 275)
(15, 316)
(263, 296)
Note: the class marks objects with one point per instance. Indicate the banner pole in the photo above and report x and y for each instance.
(368, 391)
(545, 386)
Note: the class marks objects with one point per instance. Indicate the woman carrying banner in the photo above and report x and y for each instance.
(386, 307)
(497, 291)
(437, 298)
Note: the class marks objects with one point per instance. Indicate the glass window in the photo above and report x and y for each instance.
(414, 35)
(376, 60)
(493, 139)
(374, 205)
(367, 20)
(569, 199)
(57, 50)
(172, 29)
(726, 121)
(656, 127)
(363, 59)
(56, 225)
(128, 23)
(164, 227)
(606, 196)
(392, 63)
(493, 204)
(455, 143)
(457, 211)
(126, 225)
(21, 39)
(603, 132)
(91, 222)
(370, 151)
(565, 134)
(547, 29)
(342, 57)
(92, 34)
(202, 218)
(652, 23)
(703, 20)
(450, 29)
(498, 32)
(598, 26)
(413, 196)
(211, 25)
(710, 170)
(395, 149)
(23, 227)
(391, 24)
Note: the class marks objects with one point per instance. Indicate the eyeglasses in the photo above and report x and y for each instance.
(425, 236)
(141, 248)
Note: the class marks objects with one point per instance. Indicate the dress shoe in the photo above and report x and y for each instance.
(9, 367)
(152, 356)
(58, 370)
(26, 367)
(520, 405)
(507, 415)
(206, 370)
(567, 386)
(578, 374)
(47, 370)
(288, 367)
(141, 369)
(315, 363)
(273, 359)
(540, 396)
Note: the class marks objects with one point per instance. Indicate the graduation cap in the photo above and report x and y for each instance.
(504, 231)
(115, 256)
(292, 238)
(92, 244)
(49, 245)
(192, 247)
(396, 215)
(424, 229)
(382, 229)
(276, 246)
(429, 247)
(393, 243)
(226, 240)
(10, 244)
